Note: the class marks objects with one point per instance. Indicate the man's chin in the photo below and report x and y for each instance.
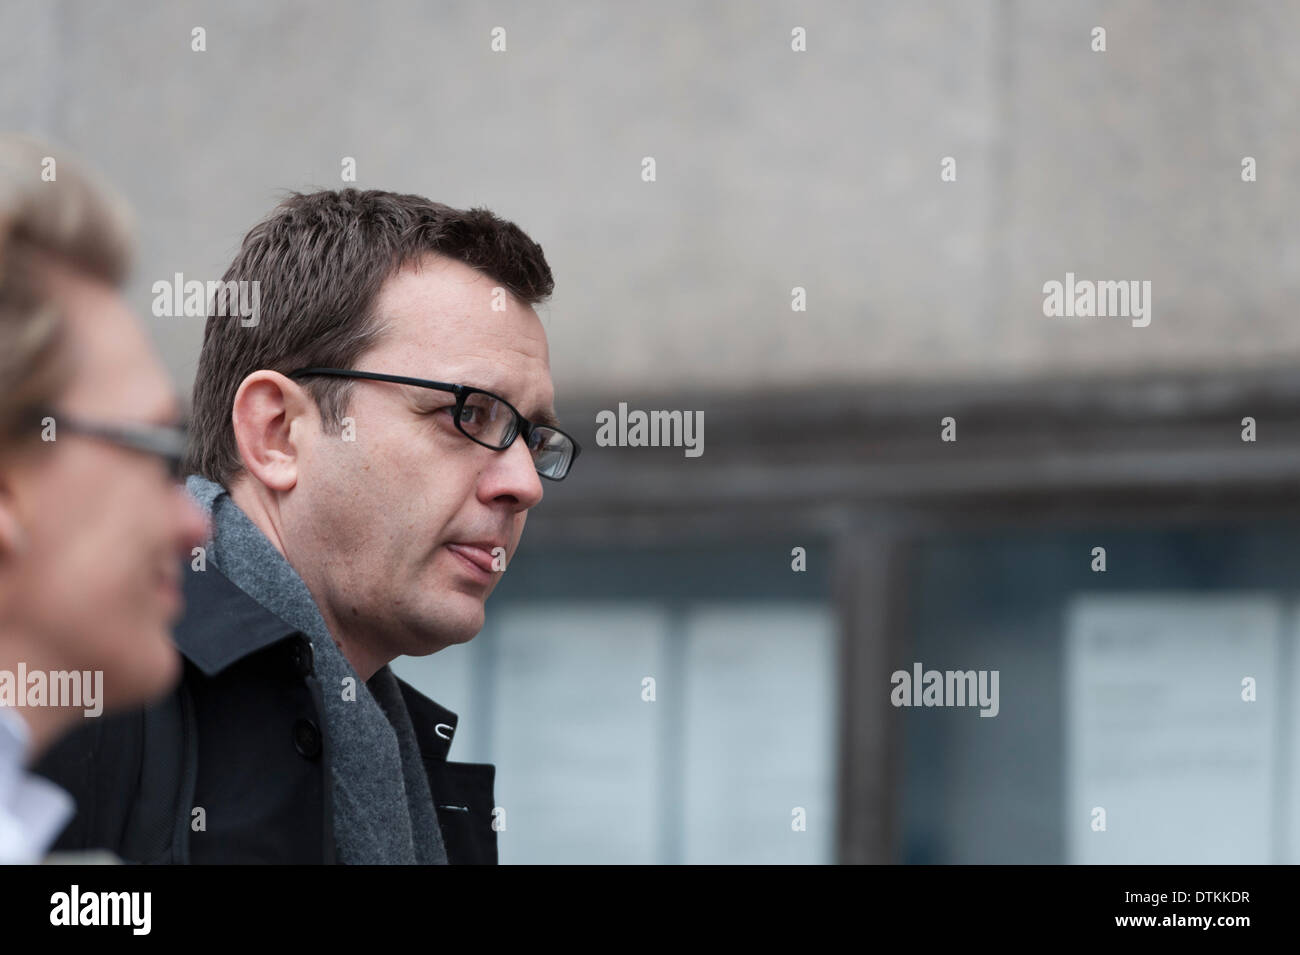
(143, 678)
(457, 620)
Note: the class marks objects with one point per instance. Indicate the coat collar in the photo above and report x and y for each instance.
(222, 625)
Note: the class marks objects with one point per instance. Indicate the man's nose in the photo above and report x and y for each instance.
(514, 475)
(193, 526)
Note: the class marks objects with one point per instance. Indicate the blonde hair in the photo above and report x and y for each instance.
(47, 205)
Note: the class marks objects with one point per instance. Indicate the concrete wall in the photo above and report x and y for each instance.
(775, 168)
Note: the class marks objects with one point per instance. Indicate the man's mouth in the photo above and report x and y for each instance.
(478, 557)
(169, 584)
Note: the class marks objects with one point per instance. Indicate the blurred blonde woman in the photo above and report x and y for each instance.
(93, 523)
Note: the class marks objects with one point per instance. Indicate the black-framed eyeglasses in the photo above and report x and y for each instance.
(492, 421)
(167, 442)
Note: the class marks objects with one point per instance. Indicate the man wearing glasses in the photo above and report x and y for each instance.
(368, 454)
(92, 519)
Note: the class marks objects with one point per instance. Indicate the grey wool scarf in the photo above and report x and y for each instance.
(383, 810)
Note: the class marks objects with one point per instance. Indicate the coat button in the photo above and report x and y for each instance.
(304, 658)
(306, 738)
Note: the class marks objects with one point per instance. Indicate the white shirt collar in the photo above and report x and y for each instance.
(33, 811)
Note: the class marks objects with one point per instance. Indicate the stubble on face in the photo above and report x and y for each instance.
(376, 514)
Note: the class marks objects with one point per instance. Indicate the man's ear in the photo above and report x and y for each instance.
(270, 417)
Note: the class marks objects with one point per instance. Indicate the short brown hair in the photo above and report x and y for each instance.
(320, 260)
(47, 205)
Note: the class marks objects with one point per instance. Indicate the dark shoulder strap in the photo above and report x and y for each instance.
(157, 830)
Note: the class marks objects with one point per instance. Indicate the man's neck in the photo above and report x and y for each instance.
(363, 659)
(256, 510)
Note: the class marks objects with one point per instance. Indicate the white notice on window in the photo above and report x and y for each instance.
(1161, 747)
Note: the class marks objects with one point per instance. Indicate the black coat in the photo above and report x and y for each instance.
(251, 748)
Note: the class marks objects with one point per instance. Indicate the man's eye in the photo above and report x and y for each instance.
(469, 415)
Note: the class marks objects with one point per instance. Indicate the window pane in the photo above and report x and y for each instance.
(760, 734)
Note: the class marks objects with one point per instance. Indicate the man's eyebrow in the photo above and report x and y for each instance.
(546, 417)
